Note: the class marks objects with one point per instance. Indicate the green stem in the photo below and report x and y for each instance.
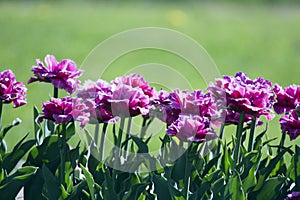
(220, 137)
(102, 141)
(127, 135)
(251, 136)
(55, 92)
(119, 139)
(187, 175)
(239, 132)
(62, 151)
(297, 181)
(282, 142)
(96, 134)
(143, 129)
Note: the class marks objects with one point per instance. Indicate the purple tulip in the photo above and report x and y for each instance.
(10, 90)
(287, 98)
(95, 96)
(90, 89)
(195, 103)
(135, 81)
(192, 128)
(290, 123)
(293, 196)
(61, 74)
(168, 106)
(239, 93)
(64, 110)
(163, 109)
(127, 101)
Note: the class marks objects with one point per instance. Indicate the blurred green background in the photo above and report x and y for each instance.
(261, 39)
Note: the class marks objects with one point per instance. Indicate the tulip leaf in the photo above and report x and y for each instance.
(161, 187)
(270, 188)
(234, 188)
(47, 153)
(11, 185)
(70, 130)
(10, 160)
(51, 187)
(16, 122)
(38, 131)
(135, 191)
(90, 181)
(143, 147)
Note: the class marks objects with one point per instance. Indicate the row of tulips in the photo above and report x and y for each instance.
(48, 167)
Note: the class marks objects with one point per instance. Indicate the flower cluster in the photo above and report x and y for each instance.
(95, 96)
(64, 110)
(290, 123)
(242, 94)
(288, 103)
(287, 98)
(187, 115)
(192, 128)
(131, 95)
(11, 90)
(126, 96)
(293, 196)
(61, 74)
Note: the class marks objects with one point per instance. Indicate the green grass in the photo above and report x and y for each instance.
(257, 39)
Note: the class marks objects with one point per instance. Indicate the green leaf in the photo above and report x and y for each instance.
(178, 168)
(258, 139)
(264, 172)
(226, 161)
(70, 130)
(206, 183)
(10, 160)
(38, 131)
(11, 185)
(234, 188)
(34, 188)
(270, 188)
(51, 188)
(143, 147)
(135, 191)
(218, 188)
(161, 187)
(210, 164)
(250, 180)
(47, 153)
(77, 191)
(90, 181)
(108, 186)
(16, 122)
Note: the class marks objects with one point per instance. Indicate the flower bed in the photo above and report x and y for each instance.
(208, 167)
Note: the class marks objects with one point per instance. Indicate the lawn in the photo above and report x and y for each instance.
(261, 40)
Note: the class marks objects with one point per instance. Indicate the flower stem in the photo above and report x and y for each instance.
(55, 92)
(187, 175)
(251, 136)
(102, 141)
(239, 132)
(127, 135)
(143, 129)
(297, 181)
(96, 134)
(220, 138)
(119, 140)
(62, 151)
